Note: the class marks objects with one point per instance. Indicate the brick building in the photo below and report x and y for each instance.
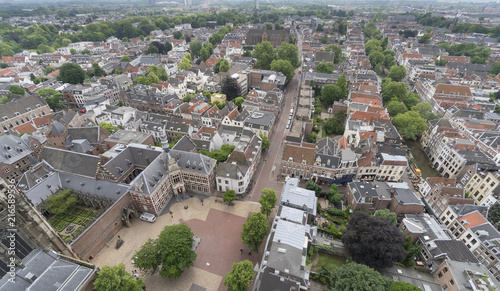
(275, 37)
(21, 110)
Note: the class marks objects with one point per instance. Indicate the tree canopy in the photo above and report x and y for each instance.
(230, 87)
(240, 276)
(195, 47)
(330, 93)
(72, 73)
(397, 73)
(265, 142)
(311, 185)
(410, 124)
(387, 215)
(117, 278)
(171, 251)
(108, 126)
(264, 53)
(356, 277)
(255, 230)
(186, 62)
(229, 196)
(161, 73)
(372, 241)
(126, 59)
(494, 213)
(52, 97)
(402, 286)
(60, 202)
(284, 67)
(267, 201)
(222, 65)
(290, 53)
(325, 68)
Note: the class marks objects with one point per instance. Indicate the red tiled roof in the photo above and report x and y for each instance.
(299, 153)
(473, 219)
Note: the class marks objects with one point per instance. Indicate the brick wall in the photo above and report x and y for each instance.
(88, 245)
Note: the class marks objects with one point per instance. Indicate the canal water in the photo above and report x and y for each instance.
(421, 159)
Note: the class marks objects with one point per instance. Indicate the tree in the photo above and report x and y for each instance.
(52, 97)
(319, 27)
(17, 90)
(168, 47)
(172, 250)
(284, 67)
(195, 48)
(342, 84)
(441, 62)
(230, 87)
(372, 241)
(394, 107)
(3, 65)
(402, 286)
(373, 45)
(255, 230)
(85, 52)
(324, 69)
(264, 53)
(356, 277)
(59, 202)
(151, 50)
(97, 70)
(161, 73)
(495, 68)
(49, 70)
(117, 278)
(289, 52)
(177, 34)
(397, 73)
(311, 185)
(175, 140)
(162, 49)
(265, 141)
(424, 109)
(333, 126)
(72, 73)
(222, 65)
(229, 196)
(329, 94)
(426, 38)
(412, 250)
(108, 126)
(204, 54)
(410, 99)
(239, 101)
(392, 90)
(376, 58)
(494, 213)
(186, 62)
(333, 194)
(240, 277)
(267, 201)
(410, 124)
(126, 59)
(387, 215)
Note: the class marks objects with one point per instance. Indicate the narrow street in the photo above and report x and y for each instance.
(266, 173)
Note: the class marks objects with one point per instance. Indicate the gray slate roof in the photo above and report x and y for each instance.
(70, 162)
(12, 149)
(51, 272)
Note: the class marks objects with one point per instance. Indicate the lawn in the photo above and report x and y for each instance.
(327, 259)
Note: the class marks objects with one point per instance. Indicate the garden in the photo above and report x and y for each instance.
(72, 222)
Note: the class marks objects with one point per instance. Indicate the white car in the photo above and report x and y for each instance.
(149, 217)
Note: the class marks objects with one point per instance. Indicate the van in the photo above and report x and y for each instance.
(149, 217)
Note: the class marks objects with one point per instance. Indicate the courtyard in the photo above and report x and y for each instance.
(219, 227)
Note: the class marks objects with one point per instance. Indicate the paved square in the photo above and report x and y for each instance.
(218, 225)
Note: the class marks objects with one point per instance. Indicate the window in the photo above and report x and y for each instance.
(452, 282)
(7, 170)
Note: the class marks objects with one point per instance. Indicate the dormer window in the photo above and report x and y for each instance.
(28, 109)
(17, 113)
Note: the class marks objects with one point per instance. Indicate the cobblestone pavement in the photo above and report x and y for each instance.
(217, 224)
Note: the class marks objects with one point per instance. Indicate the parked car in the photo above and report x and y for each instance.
(149, 217)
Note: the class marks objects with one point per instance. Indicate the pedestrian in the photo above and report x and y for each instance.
(119, 237)
(250, 253)
(241, 251)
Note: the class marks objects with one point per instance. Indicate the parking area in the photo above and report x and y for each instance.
(217, 224)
